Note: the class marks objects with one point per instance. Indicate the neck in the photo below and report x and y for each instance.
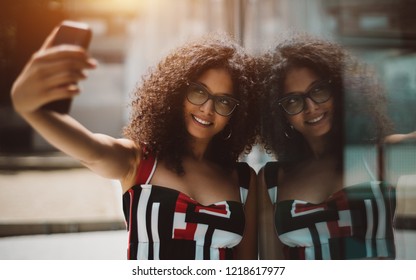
(318, 147)
(198, 149)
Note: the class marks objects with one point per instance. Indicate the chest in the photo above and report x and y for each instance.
(310, 182)
(202, 182)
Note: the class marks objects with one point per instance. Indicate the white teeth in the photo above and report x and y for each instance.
(315, 120)
(201, 121)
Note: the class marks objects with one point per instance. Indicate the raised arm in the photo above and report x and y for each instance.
(52, 73)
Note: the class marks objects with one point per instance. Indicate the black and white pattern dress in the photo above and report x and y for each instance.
(164, 223)
(353, 223)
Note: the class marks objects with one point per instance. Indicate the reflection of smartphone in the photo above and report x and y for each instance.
(72, 33)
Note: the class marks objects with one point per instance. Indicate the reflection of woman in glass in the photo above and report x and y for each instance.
(185, 195)
(305, 210)
(400, 138)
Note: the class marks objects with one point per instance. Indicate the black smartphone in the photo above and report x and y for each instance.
(72, 33)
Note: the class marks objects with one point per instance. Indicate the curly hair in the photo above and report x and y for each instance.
(157, 108)
(358, 96)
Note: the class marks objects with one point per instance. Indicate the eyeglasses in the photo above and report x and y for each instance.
(294, 102)
(198, 94)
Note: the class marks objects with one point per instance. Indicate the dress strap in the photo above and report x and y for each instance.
(243, 170)
(146, 169)
(271, 171)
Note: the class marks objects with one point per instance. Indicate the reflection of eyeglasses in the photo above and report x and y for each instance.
(198, 94)
(294, 102)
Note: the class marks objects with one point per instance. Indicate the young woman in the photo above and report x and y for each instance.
(185, 194)
(312, 90)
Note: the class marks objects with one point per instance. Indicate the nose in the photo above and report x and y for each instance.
(310, 105)
(208, 107)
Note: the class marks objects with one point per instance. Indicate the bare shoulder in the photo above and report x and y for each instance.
(129, 145)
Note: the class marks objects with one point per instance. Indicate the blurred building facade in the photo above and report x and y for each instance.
(131, 36)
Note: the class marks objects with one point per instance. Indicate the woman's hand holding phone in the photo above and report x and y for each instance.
(50, 78)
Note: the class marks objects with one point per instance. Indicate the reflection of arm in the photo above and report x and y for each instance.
(269, 244)
(397, 138)
(247, 249)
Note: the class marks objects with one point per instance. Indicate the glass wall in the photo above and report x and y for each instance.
(131, 36)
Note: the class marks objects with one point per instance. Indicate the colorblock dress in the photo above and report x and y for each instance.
(353, 223)
(164, 223)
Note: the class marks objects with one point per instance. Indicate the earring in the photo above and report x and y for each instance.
(229, 134)
(289, 134)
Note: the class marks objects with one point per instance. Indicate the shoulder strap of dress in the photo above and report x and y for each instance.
(145, 169)
(243, 170)
(271, 170)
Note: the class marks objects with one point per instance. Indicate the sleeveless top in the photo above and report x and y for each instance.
(353, 223)
(164, 223)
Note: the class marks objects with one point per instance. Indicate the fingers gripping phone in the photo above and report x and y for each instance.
(73, 33)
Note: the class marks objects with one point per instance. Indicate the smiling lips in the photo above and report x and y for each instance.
(315, 120)
(201, 121)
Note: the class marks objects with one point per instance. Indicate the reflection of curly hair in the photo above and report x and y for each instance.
(350, 81)
(157, 109)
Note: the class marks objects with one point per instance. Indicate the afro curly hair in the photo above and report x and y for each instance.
(356, 93)
(157, 107)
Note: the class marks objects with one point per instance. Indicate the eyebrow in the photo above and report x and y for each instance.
(216, 93)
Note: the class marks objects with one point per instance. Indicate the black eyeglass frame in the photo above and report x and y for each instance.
(210, 95)
(305, 95)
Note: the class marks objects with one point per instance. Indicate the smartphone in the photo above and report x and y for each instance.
(72, 33)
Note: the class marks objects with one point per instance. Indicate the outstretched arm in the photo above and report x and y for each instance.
(52, 73)
(398, 138)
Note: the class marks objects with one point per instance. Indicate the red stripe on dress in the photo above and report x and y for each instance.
(221, 253)
(294, 253)
(182, 203)
(220, 209)
(188, 233)
(341, 200)
(306, 208)
(339, 197)
(335, 230)
(144, 169)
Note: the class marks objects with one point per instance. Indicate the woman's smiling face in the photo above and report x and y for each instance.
(315, 120)
(202, 122)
